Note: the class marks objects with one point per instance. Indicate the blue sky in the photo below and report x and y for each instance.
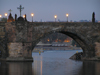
(46, 9)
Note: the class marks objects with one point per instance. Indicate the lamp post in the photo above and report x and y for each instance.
(6, 15)
(55, 16)
(32, 16)
(23, 16)
(0, 16)
(67, 16)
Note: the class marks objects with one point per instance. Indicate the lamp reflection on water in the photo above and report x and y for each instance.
(41, 67)
(38, 65)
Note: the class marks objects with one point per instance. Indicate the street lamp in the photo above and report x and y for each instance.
(6, 14)
(67, 16)
(23, 16)
(32, 16)
(55, 16)
(0, 16)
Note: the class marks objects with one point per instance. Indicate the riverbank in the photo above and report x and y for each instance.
(79, 56)
(37, 49)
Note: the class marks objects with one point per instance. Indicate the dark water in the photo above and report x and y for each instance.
(51, 63)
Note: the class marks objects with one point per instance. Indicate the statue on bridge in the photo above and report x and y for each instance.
(93, 17)
(20, 18)
(20, 8)
(10, 18)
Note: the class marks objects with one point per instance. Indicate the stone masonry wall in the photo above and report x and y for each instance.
(15, 49)
(97, 49)
(18, 50)
(30, 33)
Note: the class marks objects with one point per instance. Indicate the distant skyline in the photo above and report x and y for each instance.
(46, 9)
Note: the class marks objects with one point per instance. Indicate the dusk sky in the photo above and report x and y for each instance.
(46, 9)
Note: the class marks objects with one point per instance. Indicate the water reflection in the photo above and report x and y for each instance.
(51, 63)
(16, 68)
(3, 68)
(55, 63)
(37, 65)
(90, 68)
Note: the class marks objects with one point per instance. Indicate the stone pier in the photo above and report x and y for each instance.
(18, 52)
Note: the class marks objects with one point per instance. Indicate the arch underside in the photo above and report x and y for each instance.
(80, 41)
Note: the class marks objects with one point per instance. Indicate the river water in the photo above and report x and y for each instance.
(51, 63)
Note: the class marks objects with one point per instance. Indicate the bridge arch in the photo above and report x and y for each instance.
(77, 37)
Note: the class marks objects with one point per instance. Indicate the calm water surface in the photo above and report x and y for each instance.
(51, 63)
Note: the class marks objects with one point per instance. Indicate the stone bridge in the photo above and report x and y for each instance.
(17, 39)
